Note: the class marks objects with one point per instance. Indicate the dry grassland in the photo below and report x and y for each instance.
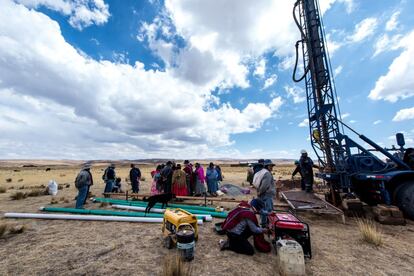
(49, 247)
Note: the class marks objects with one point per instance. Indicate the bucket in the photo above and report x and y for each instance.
(186, 244)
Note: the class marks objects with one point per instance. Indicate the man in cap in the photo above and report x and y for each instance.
(109, 177)
(82, 183)
(266, 190)
(135, 177)
(296, 171)
(306, 171)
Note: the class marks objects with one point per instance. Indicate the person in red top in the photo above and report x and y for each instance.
(240, 224)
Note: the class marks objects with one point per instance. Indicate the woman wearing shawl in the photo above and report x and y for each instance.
(240, 224)
(179, 184)
(200, 180)
(155, 177)
(212, 177)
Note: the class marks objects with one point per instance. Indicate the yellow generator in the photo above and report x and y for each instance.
(180, 229)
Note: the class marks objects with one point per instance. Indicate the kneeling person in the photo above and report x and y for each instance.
(240, 224)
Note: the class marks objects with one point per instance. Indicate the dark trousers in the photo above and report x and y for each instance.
(308, 183)
(135, 186)
(87, 194)
(240, 244)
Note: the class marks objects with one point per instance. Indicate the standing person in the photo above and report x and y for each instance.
(135, 177)
(89, 186)
(250, 174)
(200, 180)
(240, 224)
(211, 178)
(155, 179)
(298, 170)
(82, 183)
(109, 178)
(188, 169)
(179, 185)
(306, 171)
(166, 177)
(220, 175)
(266, 190)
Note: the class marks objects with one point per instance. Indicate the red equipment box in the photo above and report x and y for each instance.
(285, 225)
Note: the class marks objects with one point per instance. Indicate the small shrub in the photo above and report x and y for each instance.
(17, 229)
(8, 180)
(103, 204)
(21, 188)
(37, 192)
(20, 180)
(369, 232)
(2, 190)
(3, 229)
(18, 196)
(60, 187)
(54, 201)
(62, 175)
(142, 178)
(67, 185)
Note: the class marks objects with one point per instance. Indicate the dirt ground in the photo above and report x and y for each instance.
(50, 247)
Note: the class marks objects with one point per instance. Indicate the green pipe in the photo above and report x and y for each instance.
(105, 212)
(184, 207)
(158, 205)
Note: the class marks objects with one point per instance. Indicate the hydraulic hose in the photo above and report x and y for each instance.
(297, 46)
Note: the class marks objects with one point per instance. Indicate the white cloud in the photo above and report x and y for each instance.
(304, 123)
(296, 93)
(260, 68)
(398, 82)
(275, 104)
(377, 122)
(387, 43)
(270, 81)
(82, 13)
(392, 23)
(103, 109)
(352, 121)
(404, 114)
(345, 115)
(338, 70)
(363, 30)
(326, 4)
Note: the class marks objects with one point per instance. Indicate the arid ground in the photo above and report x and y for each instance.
(51, 247)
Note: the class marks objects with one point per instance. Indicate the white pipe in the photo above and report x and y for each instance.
(86, 217)
(156, 210)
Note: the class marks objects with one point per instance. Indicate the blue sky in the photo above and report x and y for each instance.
(95, 79)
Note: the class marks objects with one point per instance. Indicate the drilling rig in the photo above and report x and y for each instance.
(352, 171)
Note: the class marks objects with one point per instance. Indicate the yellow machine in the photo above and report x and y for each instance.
(176, 220)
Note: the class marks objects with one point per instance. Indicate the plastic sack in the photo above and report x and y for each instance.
(52, 187)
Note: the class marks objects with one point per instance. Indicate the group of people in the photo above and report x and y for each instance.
(186, 180)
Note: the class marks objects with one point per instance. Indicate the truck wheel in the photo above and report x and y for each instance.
(405, 199)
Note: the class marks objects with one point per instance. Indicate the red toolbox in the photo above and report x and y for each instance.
(285, 225)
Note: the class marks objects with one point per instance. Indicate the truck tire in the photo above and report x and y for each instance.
(405, 199)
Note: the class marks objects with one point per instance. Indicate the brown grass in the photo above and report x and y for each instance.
(54, 201)
(17, 229)
(2, 190)
(8, 180)
(20, 180)
(174, 266)
(18, 196)
(369, 232)
(3, 229)
(34, 193)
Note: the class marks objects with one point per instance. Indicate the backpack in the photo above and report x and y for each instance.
(104, 174)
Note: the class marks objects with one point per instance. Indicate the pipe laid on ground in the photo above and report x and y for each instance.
(86, 217)
(157, 210)
(106, 212)
(184, 207)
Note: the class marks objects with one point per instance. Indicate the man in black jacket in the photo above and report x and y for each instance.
(166, 177)
(135, 177)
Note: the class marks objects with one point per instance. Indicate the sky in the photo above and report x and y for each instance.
(99, 79)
